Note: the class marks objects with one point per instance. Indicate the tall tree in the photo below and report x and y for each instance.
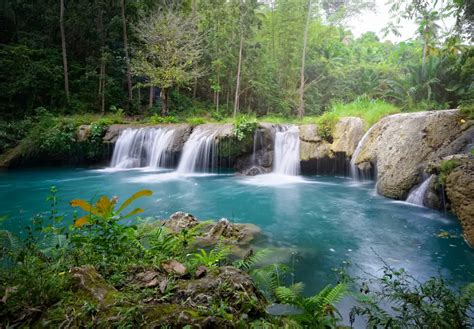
(172, 48)
(63, 46)
(125, 48)
(303, 57)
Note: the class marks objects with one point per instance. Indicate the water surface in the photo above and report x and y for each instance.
(316, 222)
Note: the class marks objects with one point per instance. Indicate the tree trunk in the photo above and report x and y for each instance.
(63, 45)
(237, 86)
(303, 56)
(125, 47)
(151, 97)
(101, 32)
(164, 101)
(218, 91)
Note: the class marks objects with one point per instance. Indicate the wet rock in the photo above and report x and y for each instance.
(460, 192)
(180, 221)
(86, 279)
(400, 146)
(256, 170)
(223, 230)
(174, 267)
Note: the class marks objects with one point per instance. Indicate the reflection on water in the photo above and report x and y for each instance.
(315, 222)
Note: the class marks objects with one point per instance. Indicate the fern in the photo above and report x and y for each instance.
(9, 241)
(252, 259)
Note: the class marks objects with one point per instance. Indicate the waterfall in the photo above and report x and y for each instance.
(143, 147)
(354, 169)
(199, 152)
(287, 151)
(417, 194)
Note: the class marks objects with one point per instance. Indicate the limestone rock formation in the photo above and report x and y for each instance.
(347, 133)
(460, 192)
(399, 147)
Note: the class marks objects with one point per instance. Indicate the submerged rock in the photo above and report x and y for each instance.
(460, 192)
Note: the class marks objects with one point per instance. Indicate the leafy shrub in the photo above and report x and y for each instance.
(158, 119)
(196, 121)
(431, 304)
(244, 126)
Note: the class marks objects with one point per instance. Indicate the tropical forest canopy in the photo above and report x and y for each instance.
(218, 58)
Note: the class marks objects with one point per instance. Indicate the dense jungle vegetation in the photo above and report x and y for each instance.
(199, 61)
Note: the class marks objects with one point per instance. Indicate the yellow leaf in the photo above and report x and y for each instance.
(137, 195)
(84, 205)
(104, 206)
(134, 212)
(81, 221)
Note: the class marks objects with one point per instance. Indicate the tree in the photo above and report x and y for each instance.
(63, 46)
(125, 48)
(172, 47)
(303, 56)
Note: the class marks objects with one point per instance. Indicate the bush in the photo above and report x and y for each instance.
(158, 119)
(413, 304)
(244, 126)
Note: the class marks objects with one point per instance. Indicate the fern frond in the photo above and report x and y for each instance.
(252, 260)
(336, 294)
(286, 295)
(8, 241)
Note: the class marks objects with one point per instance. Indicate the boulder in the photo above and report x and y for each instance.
(310, 133)
(228, 233)
(174, 267)
(401, 145)
(83, 133)
(460, 192)
(180, 221)
(347, 133)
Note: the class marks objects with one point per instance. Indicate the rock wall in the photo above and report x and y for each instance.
(400, 146)
(460, 192)
(330, 156)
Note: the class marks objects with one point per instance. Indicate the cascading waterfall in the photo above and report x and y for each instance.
(199, 152)
(417, 195)
(287, 151)
(355, 174)
(143, 147)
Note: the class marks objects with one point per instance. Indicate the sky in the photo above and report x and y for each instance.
(375, 22)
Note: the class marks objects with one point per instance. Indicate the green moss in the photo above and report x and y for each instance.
(445, 168)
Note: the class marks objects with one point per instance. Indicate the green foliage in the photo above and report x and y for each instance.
(367, 109)
(412, 304)
(445, 169)
(213, 258)
(158, 119)
(244, 127)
